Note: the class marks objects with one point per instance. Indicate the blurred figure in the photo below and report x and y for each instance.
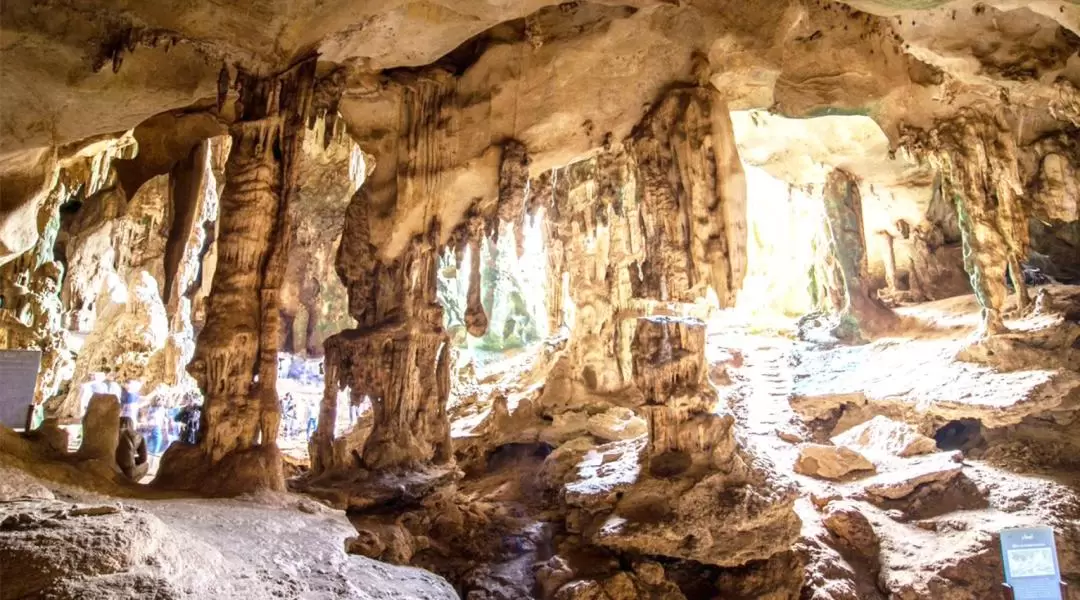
(288, 415)
(131, 400)
(189, 418)
(158, 421)
(110, 384)
(95, 385)
(313, 417)
(131, 451)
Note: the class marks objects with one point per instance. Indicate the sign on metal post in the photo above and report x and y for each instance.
(1031, 563)
(18, 376)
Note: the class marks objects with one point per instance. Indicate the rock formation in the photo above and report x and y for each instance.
(846, 241)
(188, 191)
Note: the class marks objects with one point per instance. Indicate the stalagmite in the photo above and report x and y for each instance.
(860, 311)
(669, 370)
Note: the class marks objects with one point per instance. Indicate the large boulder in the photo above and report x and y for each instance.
(830, 462)
(881, 437)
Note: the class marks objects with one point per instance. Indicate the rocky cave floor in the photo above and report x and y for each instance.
(900, 460)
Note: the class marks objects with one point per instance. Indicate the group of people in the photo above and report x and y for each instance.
(161, 426)
(299, 415)
(147, 428)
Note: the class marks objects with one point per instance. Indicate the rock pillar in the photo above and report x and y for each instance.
(670, 372)
(399, 355)
(235, 362)
(847, 243)
(978, 155)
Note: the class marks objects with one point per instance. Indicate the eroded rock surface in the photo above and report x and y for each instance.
(630, 454)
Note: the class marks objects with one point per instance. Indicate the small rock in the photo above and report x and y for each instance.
(788, 436)
(94, 511)
(553, 574)
(581, 590)
(620, 586)
(830, 462)
(820, 502)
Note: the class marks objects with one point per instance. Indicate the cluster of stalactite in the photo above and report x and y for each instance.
(693, 194)
(627, 233)
(657, 224)
(32, 315)
(977, 154)
(593, 235)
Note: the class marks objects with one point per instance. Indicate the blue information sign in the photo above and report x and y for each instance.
(1031, 563)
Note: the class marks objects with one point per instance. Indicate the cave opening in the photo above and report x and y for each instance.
(512, 290)
(961, 434)
(783, 232)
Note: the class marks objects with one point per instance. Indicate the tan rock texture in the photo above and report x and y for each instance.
(830, 462)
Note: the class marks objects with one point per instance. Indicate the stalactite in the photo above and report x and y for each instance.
(977, 153)
(693, 197)
(193, 195)
(513, 187)
(476, 319)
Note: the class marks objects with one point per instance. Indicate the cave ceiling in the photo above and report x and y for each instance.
(564, 79)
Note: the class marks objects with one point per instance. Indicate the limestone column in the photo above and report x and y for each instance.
(844, 225)
(235, 362)
(398, 356)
